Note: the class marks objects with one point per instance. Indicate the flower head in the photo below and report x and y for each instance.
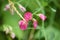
(35, 23)
(12, 35)
(23, 25)
(23, 9)
(7, 7)
(7, 29)
(42, 16)
(28, 16)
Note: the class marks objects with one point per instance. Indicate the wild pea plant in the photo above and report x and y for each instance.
(41, 19)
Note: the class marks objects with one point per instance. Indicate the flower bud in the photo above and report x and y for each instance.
(7, 30)
(12, 35)
(10, 28)
(28, 16)
(22, 8)
(7, 7)
(35, 23)
(23, 25)
(42, 16)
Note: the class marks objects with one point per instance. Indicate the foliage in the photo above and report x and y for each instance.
(46, 30)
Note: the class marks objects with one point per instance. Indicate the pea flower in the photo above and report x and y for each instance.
(23, 25)
(10, 28)
(42, 16)
(35, 23)
(12, 35)
(7, 7)
(23, 9)
(6, 30)
(28, 16)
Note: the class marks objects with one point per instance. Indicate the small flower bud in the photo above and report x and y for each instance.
(7, 7)
(10, 28)
(35, 23)
(42, 16)
(23, 25)
(28, 16)
(12, 35)
(7, 30)
(23, 9)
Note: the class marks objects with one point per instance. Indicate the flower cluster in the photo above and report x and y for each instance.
(23, 24)
(28, 16)
(8, 30)
(8, 7)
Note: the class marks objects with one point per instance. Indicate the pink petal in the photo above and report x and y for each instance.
(28, 16)
(7, 7)
(35, 23)
(42, 16)
(23, 25)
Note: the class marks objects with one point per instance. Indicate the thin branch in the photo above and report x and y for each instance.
(43, 29)
(31, 34)
(36, 11)
(16, 9)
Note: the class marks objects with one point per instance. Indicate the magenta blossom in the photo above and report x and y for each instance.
(35, 23)
(23, 25)
(28, 16)
(42, 16)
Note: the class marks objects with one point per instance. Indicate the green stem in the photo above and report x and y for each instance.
(33, 28)
(36, 11)
(18, 1)
(10, 2)
(27, 3)
(31, 34)
(43, 29)
(51, 20)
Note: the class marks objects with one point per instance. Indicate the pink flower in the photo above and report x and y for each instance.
(35, 23)
(42, 16)
(7, 7)
(23, 25)
(28, 16)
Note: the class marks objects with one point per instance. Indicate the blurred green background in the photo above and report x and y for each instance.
(51, 25)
